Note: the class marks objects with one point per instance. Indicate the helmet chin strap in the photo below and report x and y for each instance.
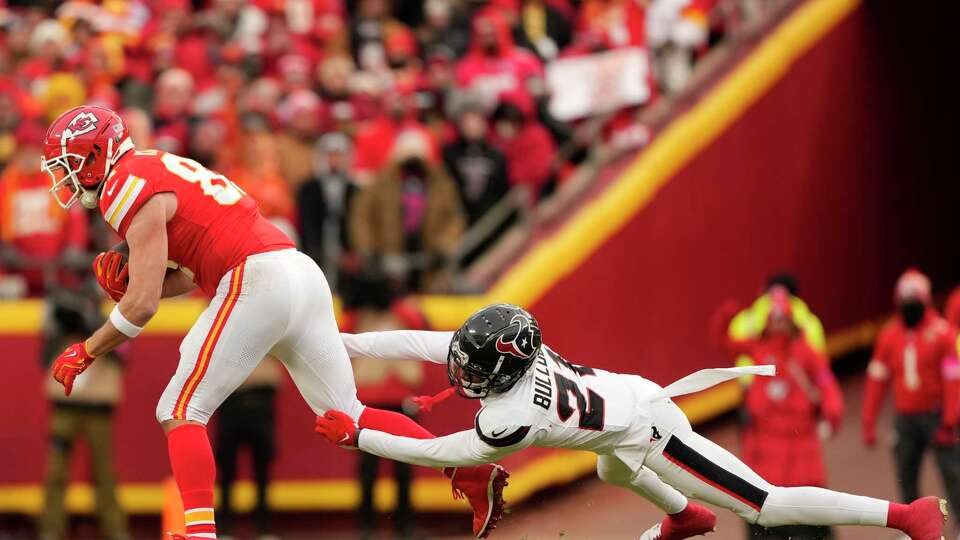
(89, 199)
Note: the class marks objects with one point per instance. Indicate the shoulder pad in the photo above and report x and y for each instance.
(499, 429)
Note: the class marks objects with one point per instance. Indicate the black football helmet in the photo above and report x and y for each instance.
(492, 350)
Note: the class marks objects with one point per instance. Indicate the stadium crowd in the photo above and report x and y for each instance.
(376, 131)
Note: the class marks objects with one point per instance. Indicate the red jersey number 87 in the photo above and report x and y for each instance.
(212, 184)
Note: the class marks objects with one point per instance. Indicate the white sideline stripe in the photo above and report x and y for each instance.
(210, 522)
(204, 535)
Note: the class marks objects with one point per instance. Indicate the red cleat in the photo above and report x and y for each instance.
(483, 487)
(175, 536)
(694, 520)
(925, 519)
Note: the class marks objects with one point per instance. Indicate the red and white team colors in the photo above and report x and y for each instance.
(266, 296)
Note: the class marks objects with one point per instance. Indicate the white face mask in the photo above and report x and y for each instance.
(66, 188)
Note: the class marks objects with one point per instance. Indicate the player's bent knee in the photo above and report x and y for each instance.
(613, 471)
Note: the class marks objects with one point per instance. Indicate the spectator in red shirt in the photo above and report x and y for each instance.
(494, 66)
(530, 151)
(916, 351)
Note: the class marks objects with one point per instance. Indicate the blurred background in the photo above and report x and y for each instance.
(648, 177)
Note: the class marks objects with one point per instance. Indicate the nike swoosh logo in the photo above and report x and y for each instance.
(71, 355)
(501, 432)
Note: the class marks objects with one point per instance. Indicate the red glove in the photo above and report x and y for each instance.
(869, 433)
(338, 428)
(946, 436)
(71, 362)
(110, 267)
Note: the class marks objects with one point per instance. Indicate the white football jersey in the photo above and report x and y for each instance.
(555, 404)
(559, 404)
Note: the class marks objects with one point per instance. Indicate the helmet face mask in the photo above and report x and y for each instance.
(492, 351)
(64, 175)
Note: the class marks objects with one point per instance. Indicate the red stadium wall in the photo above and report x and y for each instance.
(819, 177)
(811, 179)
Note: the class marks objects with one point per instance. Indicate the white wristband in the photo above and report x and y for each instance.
(122, 325)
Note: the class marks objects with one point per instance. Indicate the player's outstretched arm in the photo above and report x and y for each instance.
(461, 449)
(496, 434)
(399, 345)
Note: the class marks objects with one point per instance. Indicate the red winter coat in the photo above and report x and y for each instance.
(921, 363)
(780, 439)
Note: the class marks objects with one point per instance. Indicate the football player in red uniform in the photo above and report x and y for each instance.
(916, 351)
(266, 297)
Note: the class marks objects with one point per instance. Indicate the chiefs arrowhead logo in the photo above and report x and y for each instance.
(521, 343)
(82, 123)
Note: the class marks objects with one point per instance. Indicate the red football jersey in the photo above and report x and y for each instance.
(216, 225)
(916, 361)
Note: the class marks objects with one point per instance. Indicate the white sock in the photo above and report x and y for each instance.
(818, 506)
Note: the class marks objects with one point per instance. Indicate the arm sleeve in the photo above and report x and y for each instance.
(457, 450)
(125, 200)
(399, 345)
(491, 440)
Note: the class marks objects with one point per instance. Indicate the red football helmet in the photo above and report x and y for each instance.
(80, 148)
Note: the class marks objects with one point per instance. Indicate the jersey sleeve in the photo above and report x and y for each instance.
(399, 345)
(502, 428)
(489, 441)
(123, 197)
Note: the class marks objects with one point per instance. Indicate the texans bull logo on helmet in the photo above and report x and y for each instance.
(520, 342)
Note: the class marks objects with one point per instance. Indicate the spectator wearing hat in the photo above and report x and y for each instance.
(916, 353)
(410, 218)
(323, 204)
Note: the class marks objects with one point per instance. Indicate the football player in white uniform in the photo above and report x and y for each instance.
(531, 396)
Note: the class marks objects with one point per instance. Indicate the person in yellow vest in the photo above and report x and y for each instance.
(750, 322)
